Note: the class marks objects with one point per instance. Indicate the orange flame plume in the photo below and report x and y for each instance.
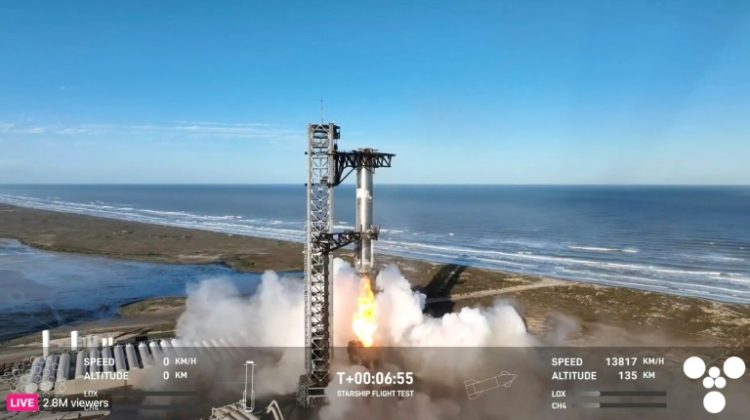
(364, 323)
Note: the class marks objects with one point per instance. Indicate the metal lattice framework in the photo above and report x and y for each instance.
(326, 169)
(333, 241)
(363, 158)
(321, 150)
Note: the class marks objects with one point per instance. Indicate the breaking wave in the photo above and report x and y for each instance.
(699, 274)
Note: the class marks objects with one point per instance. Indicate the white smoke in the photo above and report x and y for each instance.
(274, 317)
(405, 323)
(271, 317)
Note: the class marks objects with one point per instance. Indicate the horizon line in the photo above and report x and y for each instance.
(31, 184)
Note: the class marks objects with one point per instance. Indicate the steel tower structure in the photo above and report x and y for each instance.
(327, 168)
(321, 147)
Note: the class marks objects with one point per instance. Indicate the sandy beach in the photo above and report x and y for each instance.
(556, 312)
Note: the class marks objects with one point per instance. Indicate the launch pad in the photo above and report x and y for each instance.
(328, 168)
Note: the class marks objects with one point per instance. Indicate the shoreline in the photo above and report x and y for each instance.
(590, 314)
(706, 267)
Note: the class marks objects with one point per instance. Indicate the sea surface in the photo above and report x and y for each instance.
(692, 241)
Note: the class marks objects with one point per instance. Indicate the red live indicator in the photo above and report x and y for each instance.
(22, 402)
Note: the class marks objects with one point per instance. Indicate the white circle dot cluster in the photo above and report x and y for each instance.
(694, 368)
(714, 401)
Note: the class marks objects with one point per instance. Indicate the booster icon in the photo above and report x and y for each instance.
(474, 388)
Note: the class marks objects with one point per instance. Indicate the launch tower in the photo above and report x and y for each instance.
(327, 168)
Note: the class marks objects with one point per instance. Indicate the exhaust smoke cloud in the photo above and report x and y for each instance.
(274, 317)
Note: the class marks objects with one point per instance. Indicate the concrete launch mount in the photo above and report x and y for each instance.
(327, 168)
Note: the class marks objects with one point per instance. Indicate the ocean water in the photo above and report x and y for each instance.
(692, 241)
(43, 289)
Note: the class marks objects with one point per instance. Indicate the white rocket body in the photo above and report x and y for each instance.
(365, 248)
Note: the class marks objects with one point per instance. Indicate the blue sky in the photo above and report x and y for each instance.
(524, 92)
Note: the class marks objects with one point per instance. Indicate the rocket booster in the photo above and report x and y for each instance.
(364, 249)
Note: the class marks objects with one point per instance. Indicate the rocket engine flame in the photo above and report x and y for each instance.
(364, 323)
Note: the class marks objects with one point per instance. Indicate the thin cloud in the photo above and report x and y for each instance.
(246, 131)
(6, 127)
